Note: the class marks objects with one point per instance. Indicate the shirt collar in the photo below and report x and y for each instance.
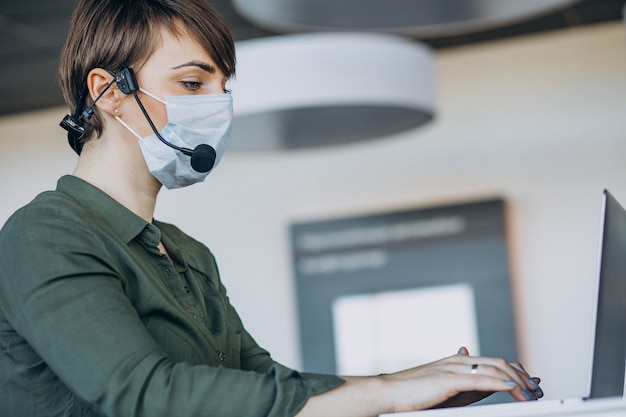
(121, 220)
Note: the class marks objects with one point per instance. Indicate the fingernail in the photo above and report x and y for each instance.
(538, 389)
(510, 383)
(460, 350)
(530, 396)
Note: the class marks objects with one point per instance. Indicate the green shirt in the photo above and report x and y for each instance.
(95, 321)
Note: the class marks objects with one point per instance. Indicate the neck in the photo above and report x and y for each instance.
(121, 172)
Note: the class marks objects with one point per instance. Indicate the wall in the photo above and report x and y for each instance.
(537, 120)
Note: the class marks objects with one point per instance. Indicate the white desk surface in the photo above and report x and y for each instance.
(612, 407)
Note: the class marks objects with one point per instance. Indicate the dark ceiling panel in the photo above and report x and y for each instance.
(583, 13)
(32, 34)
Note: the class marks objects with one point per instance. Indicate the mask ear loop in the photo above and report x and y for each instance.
(149, 94)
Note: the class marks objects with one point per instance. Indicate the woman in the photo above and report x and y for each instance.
(105, 311)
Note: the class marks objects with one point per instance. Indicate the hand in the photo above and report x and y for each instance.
(459, 380)
(470, 397)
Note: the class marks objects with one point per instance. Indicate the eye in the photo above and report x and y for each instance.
(191, 85)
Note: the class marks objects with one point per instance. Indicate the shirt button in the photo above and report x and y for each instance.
(221, 356)
(187, 289)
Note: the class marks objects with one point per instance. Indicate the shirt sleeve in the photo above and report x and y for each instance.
(69, 306)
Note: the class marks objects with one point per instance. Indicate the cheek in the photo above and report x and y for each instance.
(156, 111)
(158, 114)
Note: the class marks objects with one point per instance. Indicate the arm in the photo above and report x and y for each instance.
(61, 293)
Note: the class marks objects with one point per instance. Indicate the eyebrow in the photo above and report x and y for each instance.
(202, 65)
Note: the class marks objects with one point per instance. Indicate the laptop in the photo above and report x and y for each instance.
(606, 381)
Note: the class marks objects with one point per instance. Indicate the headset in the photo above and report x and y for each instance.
(202, 156)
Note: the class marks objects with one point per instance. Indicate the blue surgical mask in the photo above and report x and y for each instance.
(191, 121)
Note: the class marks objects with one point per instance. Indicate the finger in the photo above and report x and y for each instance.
(519, 393)
(496, 368)
(533, 382)
(488, 384)
(529, 383)
(483, 369)
(528, 388)
(513, 371)
(536, 388)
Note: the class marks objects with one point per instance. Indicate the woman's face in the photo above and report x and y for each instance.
(179, 66)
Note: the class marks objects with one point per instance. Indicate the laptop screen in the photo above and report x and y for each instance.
(609, 357)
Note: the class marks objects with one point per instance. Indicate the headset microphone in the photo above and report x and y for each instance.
(202, 157)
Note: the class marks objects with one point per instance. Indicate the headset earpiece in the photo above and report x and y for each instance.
(126, 81)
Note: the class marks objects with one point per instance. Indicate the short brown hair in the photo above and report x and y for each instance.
(111, 34)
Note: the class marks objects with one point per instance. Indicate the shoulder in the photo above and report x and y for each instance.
(50, 219)
(47, 205)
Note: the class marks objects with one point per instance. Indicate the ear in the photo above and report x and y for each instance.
(98, 80)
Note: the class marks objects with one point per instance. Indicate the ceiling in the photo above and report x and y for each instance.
(32, 33)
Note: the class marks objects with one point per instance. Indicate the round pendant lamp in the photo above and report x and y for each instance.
(318, 89)
(422, 18)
